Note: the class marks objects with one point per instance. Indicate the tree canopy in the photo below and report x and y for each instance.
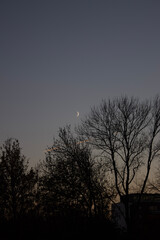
(87, 170)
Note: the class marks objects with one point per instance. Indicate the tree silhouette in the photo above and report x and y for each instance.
(17, 183)
(126, 131)
(71, 179)
(83, 173)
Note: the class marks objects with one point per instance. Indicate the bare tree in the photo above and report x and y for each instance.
(126, 131)
(153, 185)
(71, 178)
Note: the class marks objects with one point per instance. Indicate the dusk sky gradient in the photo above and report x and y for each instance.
(58, 57)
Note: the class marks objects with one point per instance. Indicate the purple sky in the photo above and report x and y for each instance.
(62, 56)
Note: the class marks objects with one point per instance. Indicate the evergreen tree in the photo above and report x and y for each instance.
(17, 183)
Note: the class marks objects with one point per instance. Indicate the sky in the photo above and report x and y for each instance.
(58, 57)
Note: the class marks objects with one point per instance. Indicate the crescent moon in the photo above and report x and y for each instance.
(77, 114)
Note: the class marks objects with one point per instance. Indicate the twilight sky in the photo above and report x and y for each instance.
(62, 56)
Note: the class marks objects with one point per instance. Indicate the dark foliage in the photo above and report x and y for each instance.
(17, 188)
(70, 181)
(64, 200)
(71, 193)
